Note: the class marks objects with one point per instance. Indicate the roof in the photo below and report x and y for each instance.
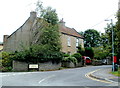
(18, 28)
(69, 31)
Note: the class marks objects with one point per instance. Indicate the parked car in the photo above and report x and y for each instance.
(87, 59)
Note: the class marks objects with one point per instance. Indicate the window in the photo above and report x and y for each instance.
(77, 42)
(69, 44)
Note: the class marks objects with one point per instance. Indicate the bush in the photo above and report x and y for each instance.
(78, 56)
(6, 69)
(6, 59)
(66, 55)
(0, 63)
(70, 59)
(89, 52)
(81, 50)
(37, 54)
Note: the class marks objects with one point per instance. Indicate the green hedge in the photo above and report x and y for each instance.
(70, 59)
(78, 56)
(38, 54)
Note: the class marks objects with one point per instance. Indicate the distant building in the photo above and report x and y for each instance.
(27, 35)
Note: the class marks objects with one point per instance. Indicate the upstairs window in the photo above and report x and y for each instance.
(77, 42)
(69, 41)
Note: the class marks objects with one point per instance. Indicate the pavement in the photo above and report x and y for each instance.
(104, 74)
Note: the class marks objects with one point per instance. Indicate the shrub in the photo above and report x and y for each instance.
(6, 59)
(37, 54)
(0, 63)
(81, 50)
(6, 69)
(89, 52)
(78, 56)
(66, 55)
(70, 59)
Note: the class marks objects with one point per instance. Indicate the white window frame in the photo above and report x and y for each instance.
(77, 42)
(68, 41)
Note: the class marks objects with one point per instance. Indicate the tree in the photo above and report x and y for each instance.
(49, 30)
(46, 45)
(101, 52)
(91, 38)
(118, 34)
(81, 50)
(48, 14)
(108, 32)
(81, 33)
(89, 52)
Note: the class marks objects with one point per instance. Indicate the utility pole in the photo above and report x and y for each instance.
(113, 64)
(113, 69)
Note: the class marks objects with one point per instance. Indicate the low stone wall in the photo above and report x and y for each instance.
(79, 64)
(49, 66)
(68, 64)
(22, 66)
(97, 62)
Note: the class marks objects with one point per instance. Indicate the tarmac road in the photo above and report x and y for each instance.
(66, 77)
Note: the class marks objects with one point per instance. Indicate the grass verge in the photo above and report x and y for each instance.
(116, 73)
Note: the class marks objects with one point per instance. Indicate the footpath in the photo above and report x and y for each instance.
(104, 74)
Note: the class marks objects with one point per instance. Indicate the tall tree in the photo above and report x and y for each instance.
(49, 36)
(118, 34)
(91, 38)
(89, 52)
(108, 32)
(104, 41)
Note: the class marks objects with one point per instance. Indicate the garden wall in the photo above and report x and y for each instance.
(79, 64)
(96, 62)
(22, 66)
(68, 64)
(49, 66)
(71, 64)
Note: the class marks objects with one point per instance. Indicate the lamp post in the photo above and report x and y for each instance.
(113, 69)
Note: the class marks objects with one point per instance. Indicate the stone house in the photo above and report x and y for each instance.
(70, 38)
(27, 34)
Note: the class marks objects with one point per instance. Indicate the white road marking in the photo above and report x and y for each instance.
(12, 74)
(46, 78)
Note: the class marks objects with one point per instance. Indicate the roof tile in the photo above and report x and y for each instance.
(70, 31)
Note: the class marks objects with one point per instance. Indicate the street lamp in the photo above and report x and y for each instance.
(113, 69)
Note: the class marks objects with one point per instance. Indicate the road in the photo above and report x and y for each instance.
(66, 77)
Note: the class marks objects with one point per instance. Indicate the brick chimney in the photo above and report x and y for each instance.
(5, 38)
(62, 23)
(33, 15)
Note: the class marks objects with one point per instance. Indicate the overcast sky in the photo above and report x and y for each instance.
(78, 14)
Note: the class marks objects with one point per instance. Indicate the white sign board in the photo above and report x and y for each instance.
(33, 65)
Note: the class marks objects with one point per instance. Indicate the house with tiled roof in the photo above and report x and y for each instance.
(70, 38)
(26, 35)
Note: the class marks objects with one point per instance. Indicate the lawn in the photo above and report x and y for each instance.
(116, 73)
